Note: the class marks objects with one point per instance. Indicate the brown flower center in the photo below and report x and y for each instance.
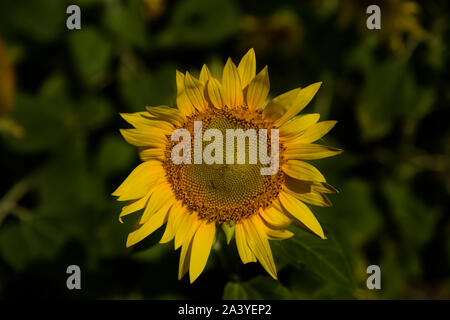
(224, 192)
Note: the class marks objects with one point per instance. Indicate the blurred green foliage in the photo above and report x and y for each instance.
(62, 155)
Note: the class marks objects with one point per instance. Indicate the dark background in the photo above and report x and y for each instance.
(62, 155)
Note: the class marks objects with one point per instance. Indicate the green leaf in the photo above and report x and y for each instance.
(44, 236)
(40, 135)
(134, 88)
(115, 155)
(269, 288)
(14, 247)
(154, 254)
(415, 221)
(23, 242)
(91, 54)
(361, 57)
(126, 23)
(235, 291)
(111, 235)
(67, 191)
(94, 111)
(258, 288)
(228, 229)
(46, 118)
(328, 292)
(390, 93)
(40, 21)
(417, 102)
(140, 88)
(323, 257)
(355, 213)
(378, 103)
(395, 270)
(200, 23)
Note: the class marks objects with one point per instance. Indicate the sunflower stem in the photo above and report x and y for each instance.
(9, 202)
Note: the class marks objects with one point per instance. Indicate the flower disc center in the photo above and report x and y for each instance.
(223, 192)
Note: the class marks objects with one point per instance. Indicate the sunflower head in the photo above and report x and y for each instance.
(218, 185)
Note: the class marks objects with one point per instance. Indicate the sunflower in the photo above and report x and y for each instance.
(194, 201)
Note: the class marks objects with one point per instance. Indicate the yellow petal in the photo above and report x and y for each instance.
(186, 250)
(280, 105)
(152, 224)
(301, 212)
(277, 234)
(258, 89)
(205, 74)
(194, 91)
(324, 187)
(201, 247)
(185, 258)
(165, 126)
(168, 232)
(301, 186)
(247, 68)
(183, 228)
(302, 100)
(183, 102)
(298, 186)
(306, 151)
(275, 217)
(134, 206)
(313, 197)
(298, 124)
(215, 93)
(152, 154)
(166, 113)
(144, 120)
(284, 109)
(139, 181)
(161, 195)
(175, 214)
(232, 88)
(302, 171)
(150, 137)
(182, 213)
(241, 243)
(258, 243)
(315, 132)
(135, 119)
